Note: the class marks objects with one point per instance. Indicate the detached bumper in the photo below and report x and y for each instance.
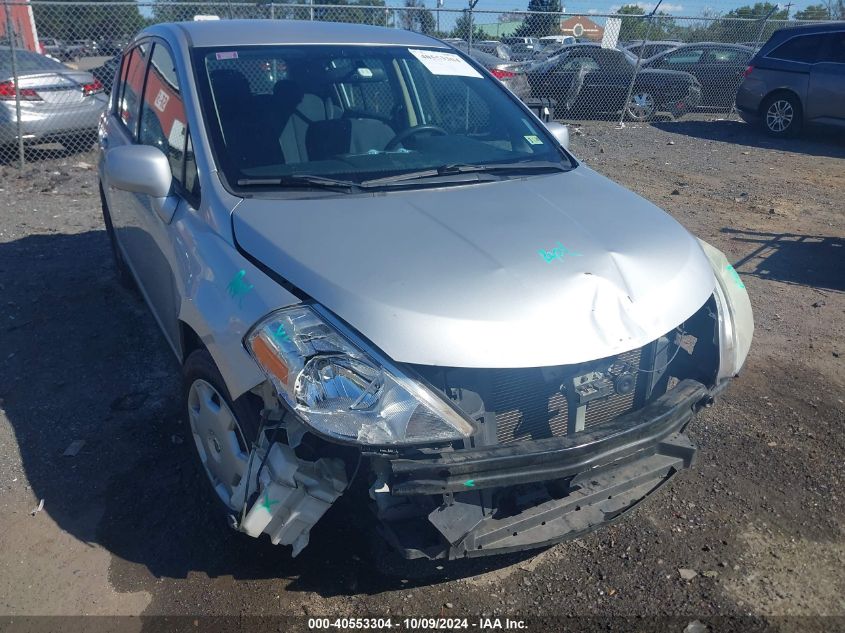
(555, 489)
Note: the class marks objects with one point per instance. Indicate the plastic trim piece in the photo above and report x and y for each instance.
(543, 460)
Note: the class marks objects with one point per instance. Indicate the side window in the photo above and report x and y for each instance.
(192, 181)
(835, 49)
(684, 57)
(131, 87)
(804, 48)
(726, 56)
(163, 121)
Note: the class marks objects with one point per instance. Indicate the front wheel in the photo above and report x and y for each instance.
(781, 115)
(223, 430)
(642, 105)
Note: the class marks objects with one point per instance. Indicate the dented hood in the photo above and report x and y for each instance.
(546, 270)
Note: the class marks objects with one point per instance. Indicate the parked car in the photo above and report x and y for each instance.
(420, 299)
(511, 40)
(52, 47)
(718, 68)
(111, 46)
(586, 78)
(57, 102)
(797, 78)
(520, 52)
(506, 72)
(650, 49)
(79, 48)
(105, 73)
(492, 47)
(546, 40)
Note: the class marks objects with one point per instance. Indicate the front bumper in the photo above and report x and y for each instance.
(567, 485)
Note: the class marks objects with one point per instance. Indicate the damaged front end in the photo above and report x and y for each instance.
(463, 462)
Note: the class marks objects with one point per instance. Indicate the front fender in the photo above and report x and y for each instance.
(223, 296)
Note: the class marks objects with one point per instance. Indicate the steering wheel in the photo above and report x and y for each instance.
(404, 135)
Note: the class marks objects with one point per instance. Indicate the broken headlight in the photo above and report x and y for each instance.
(736, 321)
(342, 392)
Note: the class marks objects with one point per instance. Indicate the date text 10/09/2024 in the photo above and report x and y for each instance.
(416, 624)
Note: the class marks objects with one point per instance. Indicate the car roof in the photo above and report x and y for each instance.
(257, 32)
(808, 29)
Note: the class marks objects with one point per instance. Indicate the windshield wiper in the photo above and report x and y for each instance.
(300, 180)
(460, 168)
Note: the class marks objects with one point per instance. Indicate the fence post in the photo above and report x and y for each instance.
(10, 30)
(637, 65)
(472, 4)
(272, 10)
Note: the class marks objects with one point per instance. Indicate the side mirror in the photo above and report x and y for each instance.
(140, 169)
(143, 169)
(560, 132)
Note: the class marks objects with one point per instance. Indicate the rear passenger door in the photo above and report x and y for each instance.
(826, 93)
(720, 73)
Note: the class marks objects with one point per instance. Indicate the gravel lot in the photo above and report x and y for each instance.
(124, 527)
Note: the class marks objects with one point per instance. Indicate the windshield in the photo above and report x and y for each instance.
(359, 113)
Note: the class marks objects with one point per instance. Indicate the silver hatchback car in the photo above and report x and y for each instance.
(385, 277)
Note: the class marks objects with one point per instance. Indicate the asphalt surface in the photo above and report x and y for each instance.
(754, 532)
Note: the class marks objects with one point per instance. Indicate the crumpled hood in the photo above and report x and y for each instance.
(547, 270)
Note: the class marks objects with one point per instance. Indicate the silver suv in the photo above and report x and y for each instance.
(797, 77)
(385, 277)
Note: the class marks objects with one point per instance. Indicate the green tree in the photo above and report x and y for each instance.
(633, 28)
(415, 17)
(68, 21)
(543, 19)
(815, 12)
(461, 29)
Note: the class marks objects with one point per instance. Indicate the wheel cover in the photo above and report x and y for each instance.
(641, 105)
(218, 438)
(779, 116)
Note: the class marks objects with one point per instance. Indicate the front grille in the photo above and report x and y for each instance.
(528, 405)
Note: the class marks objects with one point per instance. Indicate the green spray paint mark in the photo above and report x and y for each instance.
(268, 503)
(735, 276)
(281, 334)
(558, 252)
(238, 287)
(470, 483)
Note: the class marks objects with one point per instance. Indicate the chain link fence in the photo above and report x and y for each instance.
(58, 59)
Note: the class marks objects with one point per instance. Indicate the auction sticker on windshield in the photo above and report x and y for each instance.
(443, 63)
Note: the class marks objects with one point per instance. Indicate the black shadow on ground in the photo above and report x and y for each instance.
(813, 141)
(81, 359)
(806, 260)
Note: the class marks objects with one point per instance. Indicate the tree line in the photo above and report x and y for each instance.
(67, 20)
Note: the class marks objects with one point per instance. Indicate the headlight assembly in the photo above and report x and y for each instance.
(736, 321)
(342, 392)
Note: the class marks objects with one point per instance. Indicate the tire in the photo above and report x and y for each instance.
(642, 105)
(222, 430)
(781, 115)
(124, 275)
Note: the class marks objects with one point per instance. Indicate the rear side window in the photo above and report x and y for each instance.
(163, 121)
(726, 56)
(834, 51)
(132, 87)
(684, 57)
(804, 49)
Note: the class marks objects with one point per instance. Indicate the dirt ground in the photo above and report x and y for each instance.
(124, 528)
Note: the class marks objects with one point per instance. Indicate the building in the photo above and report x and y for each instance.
(582, 27)
(22, 25)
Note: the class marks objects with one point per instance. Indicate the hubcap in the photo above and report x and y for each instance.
(217, 435)
(641, 105)
(779, 115)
